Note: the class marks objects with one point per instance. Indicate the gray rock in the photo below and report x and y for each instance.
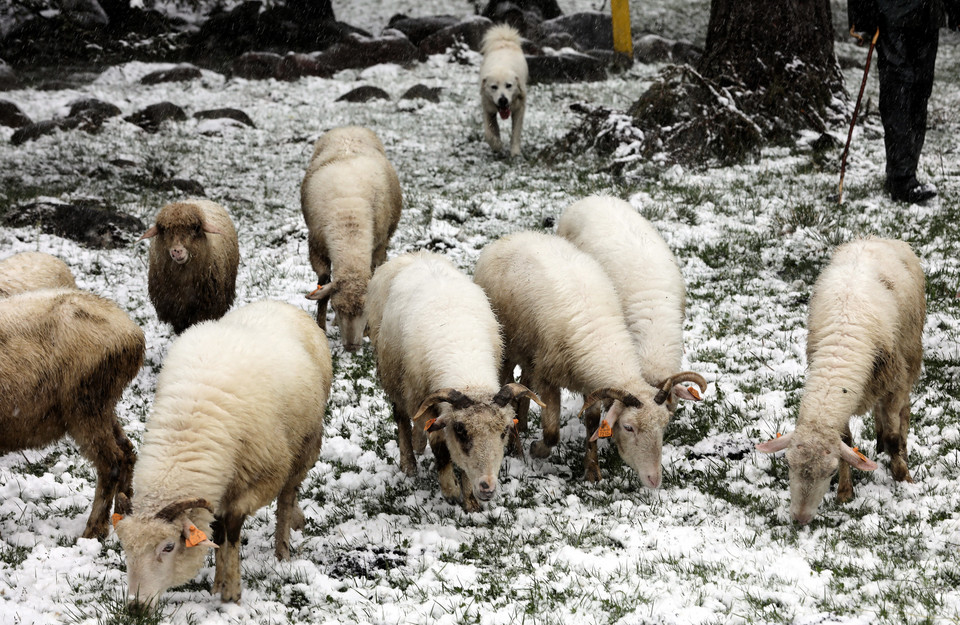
(36, 130)
(181, 73)
(228, 113)
(590, 30)
(92, 108)
(90, 223)
(565, 67)
(422, 92)
(469, 32)
(356, 51)
(296, 64)
(152, 116)
(256, 65)
(189, 187)
(364, 94)
(417, 29)
(8, 77)
(12, 116)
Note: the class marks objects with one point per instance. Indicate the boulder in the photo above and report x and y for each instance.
(8, 77)
(417, 29)
(152, 116)
(590, 30)
(565, 67)
(12, 116)
(364, 94)
(92, 108)
(256, 65)
(36, 130)
(90, 223)
(189, 187)
(422, 92)
(181, 73)
(469, 32)
(356, 51)
(296, 64)
(228, 113)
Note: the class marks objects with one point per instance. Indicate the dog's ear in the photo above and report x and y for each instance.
(483, 83)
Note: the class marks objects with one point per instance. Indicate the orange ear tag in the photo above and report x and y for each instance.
(856, 450)
(116, 518)
(694, 392)
(515, 422)
(779, 434)
(196, 537)
(605, 430)
(429, 424)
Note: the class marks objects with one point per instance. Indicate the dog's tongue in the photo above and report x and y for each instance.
(504, 113)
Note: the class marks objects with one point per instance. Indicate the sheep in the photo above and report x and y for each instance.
(65, 358)
(438, 349)
(648, 281)
(563, 325)
(864, 351)
(236, 423)
(351, 203)
(192, 275)
(28, 271)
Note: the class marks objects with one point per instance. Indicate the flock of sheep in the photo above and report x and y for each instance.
(597, 309)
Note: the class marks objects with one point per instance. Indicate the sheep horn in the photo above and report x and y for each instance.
(178, 507)
(677, 378)
(452, 396)
(512, 391)
(609, 393)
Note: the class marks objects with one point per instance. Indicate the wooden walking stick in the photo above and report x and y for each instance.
(856, 109)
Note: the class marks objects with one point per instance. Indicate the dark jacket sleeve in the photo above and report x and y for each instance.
(864, 17)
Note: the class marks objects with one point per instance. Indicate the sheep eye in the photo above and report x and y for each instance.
(508, 85)
(460, 431)
(168, 547)
(628, 428)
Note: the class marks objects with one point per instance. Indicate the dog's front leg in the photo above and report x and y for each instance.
(491, 129)
(517, 128)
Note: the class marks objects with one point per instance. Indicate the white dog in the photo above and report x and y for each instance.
(503, 85)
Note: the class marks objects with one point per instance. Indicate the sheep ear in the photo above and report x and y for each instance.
(150, 233)
(686, 392)
(775, 444)
(435, 425)
(194, 537)
(856, 459)
(322, 292)
(609, 420)
(211, 229)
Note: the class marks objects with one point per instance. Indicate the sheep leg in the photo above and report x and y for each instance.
(130, 459)
(322, 267)
(470, 503)
(844, 479)
(897, 446)
(550, 422)
(226, 579)
(100, 447)
(448, 481)
(289, 514)
(408, 463)
(591, 464)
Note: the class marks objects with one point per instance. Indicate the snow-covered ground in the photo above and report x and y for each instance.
(713, 545)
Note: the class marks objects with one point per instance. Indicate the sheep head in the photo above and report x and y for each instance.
(814, 458)
(636, 422)
(347, 298)
(164, 549)
(476, 431)
(181, 231)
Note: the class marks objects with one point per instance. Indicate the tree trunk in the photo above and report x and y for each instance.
(784, 47)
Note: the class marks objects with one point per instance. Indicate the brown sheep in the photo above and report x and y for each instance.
(192, 275)
(65, 358)
(28, 271)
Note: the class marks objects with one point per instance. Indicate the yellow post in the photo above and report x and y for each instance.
(620, 15)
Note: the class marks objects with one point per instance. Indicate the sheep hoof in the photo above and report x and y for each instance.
(95, 530)
(900, 471)
(844, 495)
(539, 449)
(409, 468)
(470, 504)
(592, 473)
(283, 551)
(231, 595)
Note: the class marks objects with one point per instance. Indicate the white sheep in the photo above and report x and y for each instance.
(864, 351)
(193, 263)
(65, 358)
(27, 271)
(563, 326)
(237, 422)
(648, 281)
(351, 203)
(438, 350)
